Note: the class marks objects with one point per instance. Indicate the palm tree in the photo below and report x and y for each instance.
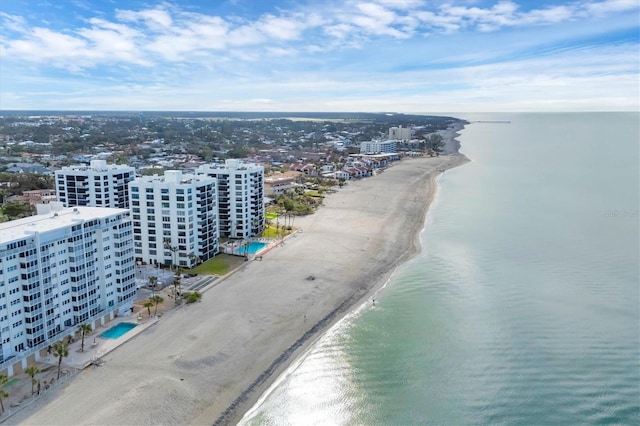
(148, 304)
(32, 371)
(152, 282)
(172, 249)
(3, 393)
(84, 329)
(176, 283)
(195, 259)
(61, 350)
(157, 300)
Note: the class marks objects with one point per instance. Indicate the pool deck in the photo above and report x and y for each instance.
(93, 352)
(235, 247)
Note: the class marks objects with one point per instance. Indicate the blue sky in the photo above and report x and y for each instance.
(320, 55)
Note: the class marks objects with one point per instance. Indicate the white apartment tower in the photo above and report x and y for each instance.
(374, 147)
(240, 197)
(400, 133)
(96, 185)
(175, 218)
(61, 268)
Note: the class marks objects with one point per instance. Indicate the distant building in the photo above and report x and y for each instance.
(36, 196)
(400, 133)
(59, 269)
(97, 185)
(175, 218)
(240, 197)
(374, 147)
(28, 168)
(277, 185)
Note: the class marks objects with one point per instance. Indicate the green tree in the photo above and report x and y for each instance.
(156, 300)
(61, 350)
(435, 142)
(193, 297)
(148, 304)
(16, 210)
(176, 283)
(32, 371)
(84, 329)
(152, 282)
(173, 249)
(3, 393)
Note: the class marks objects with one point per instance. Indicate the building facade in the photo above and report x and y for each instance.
(374, 147)
(97, 185)
(175, 218)
(400, 133)
(240, 197)
(61, 268)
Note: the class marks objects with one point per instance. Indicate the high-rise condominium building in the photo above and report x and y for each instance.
(96, 185)
(61, 268)
(175, 218)
(400, 133)
(372, 147)
(240, 197)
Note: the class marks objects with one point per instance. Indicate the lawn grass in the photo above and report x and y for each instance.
(314, 193)
(270, 231)
(219, 265)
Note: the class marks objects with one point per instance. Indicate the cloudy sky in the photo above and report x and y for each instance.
(320, 55)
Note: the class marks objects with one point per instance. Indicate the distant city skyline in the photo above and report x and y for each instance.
(407, 56)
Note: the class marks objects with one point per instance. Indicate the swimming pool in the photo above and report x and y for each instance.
(251, 248)
(118, 330)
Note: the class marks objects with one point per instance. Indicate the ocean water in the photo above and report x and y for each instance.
(523, 307)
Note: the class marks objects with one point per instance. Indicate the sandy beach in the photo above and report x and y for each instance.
(209, 362)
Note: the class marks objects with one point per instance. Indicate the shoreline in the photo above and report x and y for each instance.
(212, 361)
(356, 308)
(245, 406)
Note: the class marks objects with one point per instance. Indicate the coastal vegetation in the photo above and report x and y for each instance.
(60, 350)
(3, 393)
(193, 297)
(296, 201)
(84, 329)
(14, 210)
(31, 372)
(148, 304)
(156, 301)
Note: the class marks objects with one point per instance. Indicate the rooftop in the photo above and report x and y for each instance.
(19, 228)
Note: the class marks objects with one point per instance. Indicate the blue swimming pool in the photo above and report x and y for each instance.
(118, 330)
(251, 248)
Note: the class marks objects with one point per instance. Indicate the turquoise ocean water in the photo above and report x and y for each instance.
(523, 307)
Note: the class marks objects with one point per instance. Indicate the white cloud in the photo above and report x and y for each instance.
(609, 6)
(280, 27)
(154, 19)
(321, 53)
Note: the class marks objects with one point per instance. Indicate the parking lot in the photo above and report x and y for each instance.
(165, 279)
